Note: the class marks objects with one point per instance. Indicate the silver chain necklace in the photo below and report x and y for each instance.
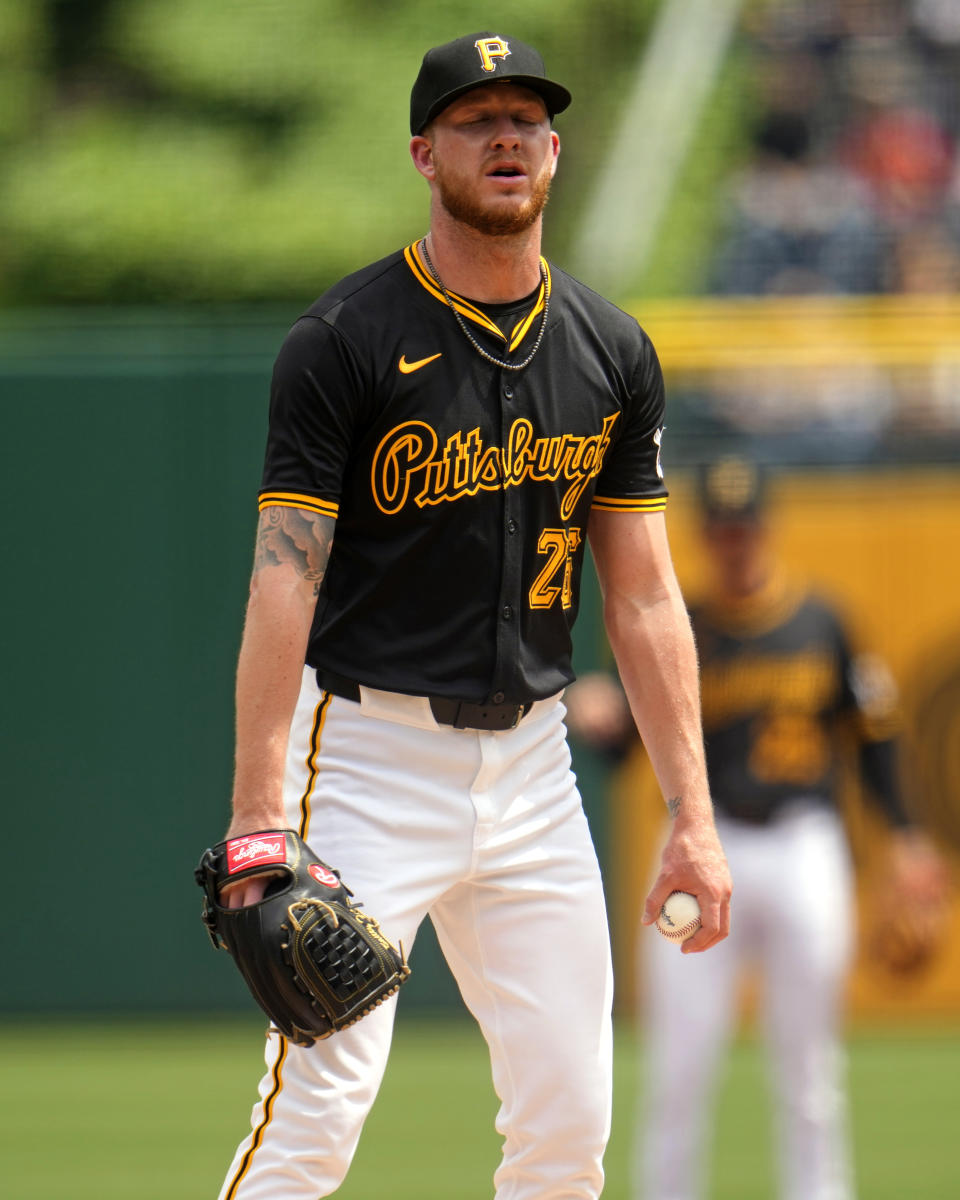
(497, 362)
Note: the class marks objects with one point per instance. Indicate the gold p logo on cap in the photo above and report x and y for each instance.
(489, 49)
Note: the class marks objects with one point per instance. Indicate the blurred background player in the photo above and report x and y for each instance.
(783, 693)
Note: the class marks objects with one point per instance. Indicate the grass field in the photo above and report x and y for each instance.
(153, 1110)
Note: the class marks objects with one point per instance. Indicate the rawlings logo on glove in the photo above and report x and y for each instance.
(312, 959)
(254, 851)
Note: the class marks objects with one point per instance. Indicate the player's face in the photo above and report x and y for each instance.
(739, 554)
(491, 155)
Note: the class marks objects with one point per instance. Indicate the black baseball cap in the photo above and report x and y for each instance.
(732, 489)
(456, 67)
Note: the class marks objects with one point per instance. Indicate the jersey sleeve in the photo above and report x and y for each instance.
(632, 477)
(868, 691)
(315, 396)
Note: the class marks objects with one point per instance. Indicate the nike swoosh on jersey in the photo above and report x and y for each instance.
(409, 367)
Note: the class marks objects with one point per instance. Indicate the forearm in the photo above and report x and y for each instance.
(650, 635)
(880, 772)
(654, 648)
(293, 548)
(653, 645)
(269, 673)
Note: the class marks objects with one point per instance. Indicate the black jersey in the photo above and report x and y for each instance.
(780, 688)
(461, 490)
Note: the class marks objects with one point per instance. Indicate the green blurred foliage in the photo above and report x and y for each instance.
(23, 86)
(190, 150)
(691, 228)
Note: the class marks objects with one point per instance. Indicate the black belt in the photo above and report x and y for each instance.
(459, 713)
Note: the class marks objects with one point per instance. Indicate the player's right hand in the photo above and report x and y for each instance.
(693, 861)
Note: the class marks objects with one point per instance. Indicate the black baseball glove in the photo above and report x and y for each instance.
(905, 940)
(314, 962)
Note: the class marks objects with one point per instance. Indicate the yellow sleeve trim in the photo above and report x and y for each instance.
(614, 504)
(326, 508)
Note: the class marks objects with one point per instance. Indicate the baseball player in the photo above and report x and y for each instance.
(781, 689)
(448, 427)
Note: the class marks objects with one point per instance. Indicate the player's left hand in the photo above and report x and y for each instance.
(314, 961)
(909, 910)
(693, 861)
(917, 872)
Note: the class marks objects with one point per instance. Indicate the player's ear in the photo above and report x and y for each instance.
(555, 142)
(421, 151)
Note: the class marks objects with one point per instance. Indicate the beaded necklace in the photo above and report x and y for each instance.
(497, 362)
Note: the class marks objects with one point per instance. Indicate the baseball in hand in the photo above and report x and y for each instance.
(679, 916)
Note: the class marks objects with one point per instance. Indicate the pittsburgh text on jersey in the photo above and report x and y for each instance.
(409, 457)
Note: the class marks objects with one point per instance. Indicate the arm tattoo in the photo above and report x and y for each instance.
(292, 535)
(674, 804)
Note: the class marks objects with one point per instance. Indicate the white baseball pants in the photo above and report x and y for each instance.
(792, 918)
(483, 831)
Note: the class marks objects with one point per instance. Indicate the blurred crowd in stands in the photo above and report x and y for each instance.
(852, 187)
(854, 182)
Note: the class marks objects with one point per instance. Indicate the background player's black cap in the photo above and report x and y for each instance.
(732, 488)
(456, 67)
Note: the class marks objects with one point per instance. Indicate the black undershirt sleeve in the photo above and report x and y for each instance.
(879, 769)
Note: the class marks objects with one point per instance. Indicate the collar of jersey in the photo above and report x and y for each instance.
(470, 311)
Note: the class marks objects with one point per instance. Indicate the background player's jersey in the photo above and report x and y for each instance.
(461, 490)
(780, 688)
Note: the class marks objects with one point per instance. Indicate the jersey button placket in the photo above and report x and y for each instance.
(507, 391)
(508, 646)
